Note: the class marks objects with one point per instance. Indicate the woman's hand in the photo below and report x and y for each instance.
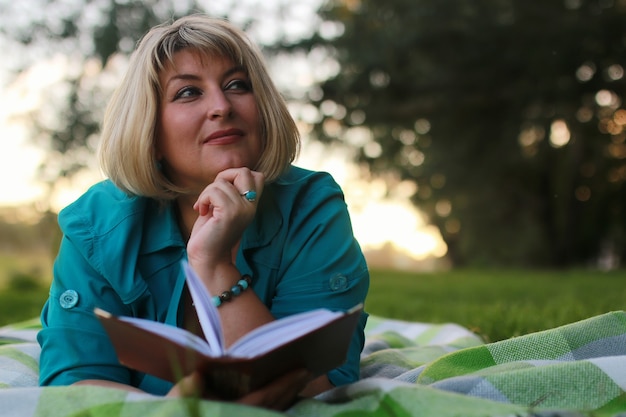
(224, 213)
(280, 394)
(277, 395)
(221, 215)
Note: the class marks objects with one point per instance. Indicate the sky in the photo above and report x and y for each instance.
(18, 158)
(378, 218)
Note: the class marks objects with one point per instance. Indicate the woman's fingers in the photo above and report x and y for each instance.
(190, 386)
(243, 180)
(279, 394)
(230, 187)
(223, 214)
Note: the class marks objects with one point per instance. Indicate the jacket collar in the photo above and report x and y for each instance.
(160, 228)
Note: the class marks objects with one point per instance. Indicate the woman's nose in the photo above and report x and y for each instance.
(219, 106)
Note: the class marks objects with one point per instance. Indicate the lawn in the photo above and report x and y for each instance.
(497, 304)
(24, 281)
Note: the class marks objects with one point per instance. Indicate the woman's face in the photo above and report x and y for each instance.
(208, 120)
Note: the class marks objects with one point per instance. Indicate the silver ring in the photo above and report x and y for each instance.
(249, 195)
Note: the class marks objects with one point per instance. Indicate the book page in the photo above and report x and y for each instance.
(278, 332)
(207, 313)
(179, 336)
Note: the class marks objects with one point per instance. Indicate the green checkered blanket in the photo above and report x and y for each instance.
(408, 369)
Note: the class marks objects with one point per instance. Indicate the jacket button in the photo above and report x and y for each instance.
(338, 282)
(68, 299)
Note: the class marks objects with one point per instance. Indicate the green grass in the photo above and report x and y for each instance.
(24, 282)
(21, 304)
(496, 304)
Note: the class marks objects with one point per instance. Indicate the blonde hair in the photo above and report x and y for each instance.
(127, 147)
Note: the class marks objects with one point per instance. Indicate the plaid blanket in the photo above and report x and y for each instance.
(408, 369)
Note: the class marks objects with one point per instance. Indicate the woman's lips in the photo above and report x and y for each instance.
(224, 137)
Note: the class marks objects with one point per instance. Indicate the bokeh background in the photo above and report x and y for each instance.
(465, 133)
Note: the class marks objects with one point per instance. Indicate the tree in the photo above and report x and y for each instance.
(89, 36)
(93, 39)
(506, 114)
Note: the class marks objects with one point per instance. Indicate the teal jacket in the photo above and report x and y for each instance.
(123, 254)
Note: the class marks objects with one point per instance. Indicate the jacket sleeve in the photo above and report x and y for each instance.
(74, 344)
(323, 265)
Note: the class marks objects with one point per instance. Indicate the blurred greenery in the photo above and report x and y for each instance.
(88, 33)
(503, 118)
(506, 115)
(27, 249)
(497, 303)
(21, 298)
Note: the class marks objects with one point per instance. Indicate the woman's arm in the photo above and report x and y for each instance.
(321, 264)
(216, 221)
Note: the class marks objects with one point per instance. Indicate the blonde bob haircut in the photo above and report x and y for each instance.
(127, 147)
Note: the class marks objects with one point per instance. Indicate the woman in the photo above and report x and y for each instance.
(198, 144)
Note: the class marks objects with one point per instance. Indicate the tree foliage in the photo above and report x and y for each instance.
(88, 34)
(506, 114)
(94, 39)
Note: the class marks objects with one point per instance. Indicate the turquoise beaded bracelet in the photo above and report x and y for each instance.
(234, 291)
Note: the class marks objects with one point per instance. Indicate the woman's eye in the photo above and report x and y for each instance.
(187, 92)
(240, 85)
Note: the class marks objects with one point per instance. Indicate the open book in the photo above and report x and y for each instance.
(317, 340)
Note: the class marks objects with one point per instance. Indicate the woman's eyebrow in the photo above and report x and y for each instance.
(234, 70)
(195, 77)
(183, 77)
